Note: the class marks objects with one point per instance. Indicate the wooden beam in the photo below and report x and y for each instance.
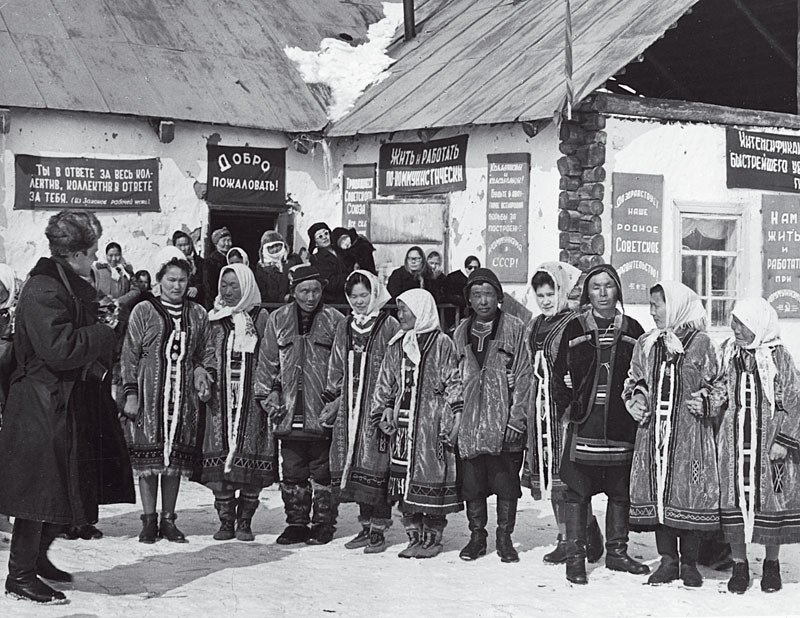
(765, 33)
(663, 109)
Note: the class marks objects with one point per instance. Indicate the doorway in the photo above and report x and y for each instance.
(246, 225)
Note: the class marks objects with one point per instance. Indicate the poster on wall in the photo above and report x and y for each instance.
(55, 183)
(358, 188)
(246, 175)
(767, 161)
(781, 229)
(423, 168)
(636, 233)
(507, 199)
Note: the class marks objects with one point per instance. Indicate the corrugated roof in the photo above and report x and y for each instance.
(490, 61)
(216, 61)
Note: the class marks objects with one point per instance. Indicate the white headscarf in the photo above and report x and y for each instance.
(9, 281)
(421, 304)
(760, 317)
(274, 259)
(245, 337)
(165, 255)
(565, 277)
(684, 309)
(241, 252)
(379, 296)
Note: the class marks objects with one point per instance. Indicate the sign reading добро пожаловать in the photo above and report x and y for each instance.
(83, 182)
(417, 168)
(768, 161)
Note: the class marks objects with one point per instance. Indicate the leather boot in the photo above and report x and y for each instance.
(297, 506)
(740, 578)
(244, 517)
(477, 518)
(45, 568)
(149, 533)
(431, 545)
(226, 509)
(506, 519)
(667, 546)
(323, 523)
(617, 558)
(594, 540)
(22, 581)
(690, 548)
(771, 576)
(377, 537)
(168, 530)
(559, 554)
(361, 539)
(575, 520)
(413, 527)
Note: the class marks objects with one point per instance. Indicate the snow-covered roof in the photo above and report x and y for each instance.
(198, 60)
(493, 61)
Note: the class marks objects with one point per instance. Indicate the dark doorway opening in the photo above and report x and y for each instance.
(246, 226)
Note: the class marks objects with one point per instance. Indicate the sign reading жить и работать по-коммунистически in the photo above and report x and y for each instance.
(423, 168)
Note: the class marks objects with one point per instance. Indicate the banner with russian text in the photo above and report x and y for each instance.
(768, 161)
(423, 168)
(358, 188)
(55, 183)
(781, 228)
(246, 175)
(507, 198)
(636, 233)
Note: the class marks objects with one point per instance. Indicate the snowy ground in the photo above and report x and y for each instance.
(118, 576)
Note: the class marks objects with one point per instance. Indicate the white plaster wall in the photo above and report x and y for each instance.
(183, 162)
(691, 157)
(468, 207)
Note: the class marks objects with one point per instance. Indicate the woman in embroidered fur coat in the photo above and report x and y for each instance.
(359, 451)
(419, 400)
(674, 481)
(759, 442)
(239, 451)
(162, 373)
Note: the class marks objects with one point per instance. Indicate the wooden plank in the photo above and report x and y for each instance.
(123, 83)
(33, 17)
(144, 23)
(662, 109)
(89, 19)
(59, 73)
(17, 87)
(191, 26)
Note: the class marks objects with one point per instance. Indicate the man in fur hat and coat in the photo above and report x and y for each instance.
(290, 380)
(596, 350)
(496, 379)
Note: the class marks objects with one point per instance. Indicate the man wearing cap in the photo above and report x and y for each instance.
(596, 351)
(221, 239)
(290, 380)
(491, 441)
(330, 266)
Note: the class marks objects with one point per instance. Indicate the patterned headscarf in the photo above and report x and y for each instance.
(684, 309)
(245, 337)
(379, 296)
(421, 304)
(760, 317)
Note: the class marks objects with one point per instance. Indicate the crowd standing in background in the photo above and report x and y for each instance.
(218, 367)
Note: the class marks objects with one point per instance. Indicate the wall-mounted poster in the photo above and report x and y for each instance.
(423, 168)
(636, 233)
(781, 228)
(768, 161)
(507, 199)
(358, 189)
(55, 183)
(246, 175)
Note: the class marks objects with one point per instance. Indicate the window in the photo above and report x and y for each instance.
(709, 253)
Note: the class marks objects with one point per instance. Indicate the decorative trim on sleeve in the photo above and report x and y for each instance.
(457, 407)
(328, 396)
(130, 388)
(787, 441)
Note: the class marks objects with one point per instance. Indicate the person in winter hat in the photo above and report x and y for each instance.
(330, 265)
(496, 378)
(354, 249)
(272, 272)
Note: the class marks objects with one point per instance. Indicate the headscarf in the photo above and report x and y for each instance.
(245, 337)
(565, 277)
(379, 296)
(241, 252)
(119, 271)
(276, 260)
(601, 268)
(684, 309)
(164, 256)
(760, 317)
(9, 281)
(189, 258)
(421, 304)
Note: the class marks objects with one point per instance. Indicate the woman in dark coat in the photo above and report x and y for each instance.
(197, 278)
(355, 250)
(55, 430)
(414, 274)
(272, 271)
(325, 259)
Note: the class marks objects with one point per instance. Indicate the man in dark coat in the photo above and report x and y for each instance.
(330, 266)
(595, 352)
(56, 429)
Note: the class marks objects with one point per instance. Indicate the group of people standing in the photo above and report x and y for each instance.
(381, 410)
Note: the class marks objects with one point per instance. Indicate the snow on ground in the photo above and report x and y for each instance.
(118, 576)
(349, 69)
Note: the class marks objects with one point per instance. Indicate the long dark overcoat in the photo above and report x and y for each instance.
(61, 447)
